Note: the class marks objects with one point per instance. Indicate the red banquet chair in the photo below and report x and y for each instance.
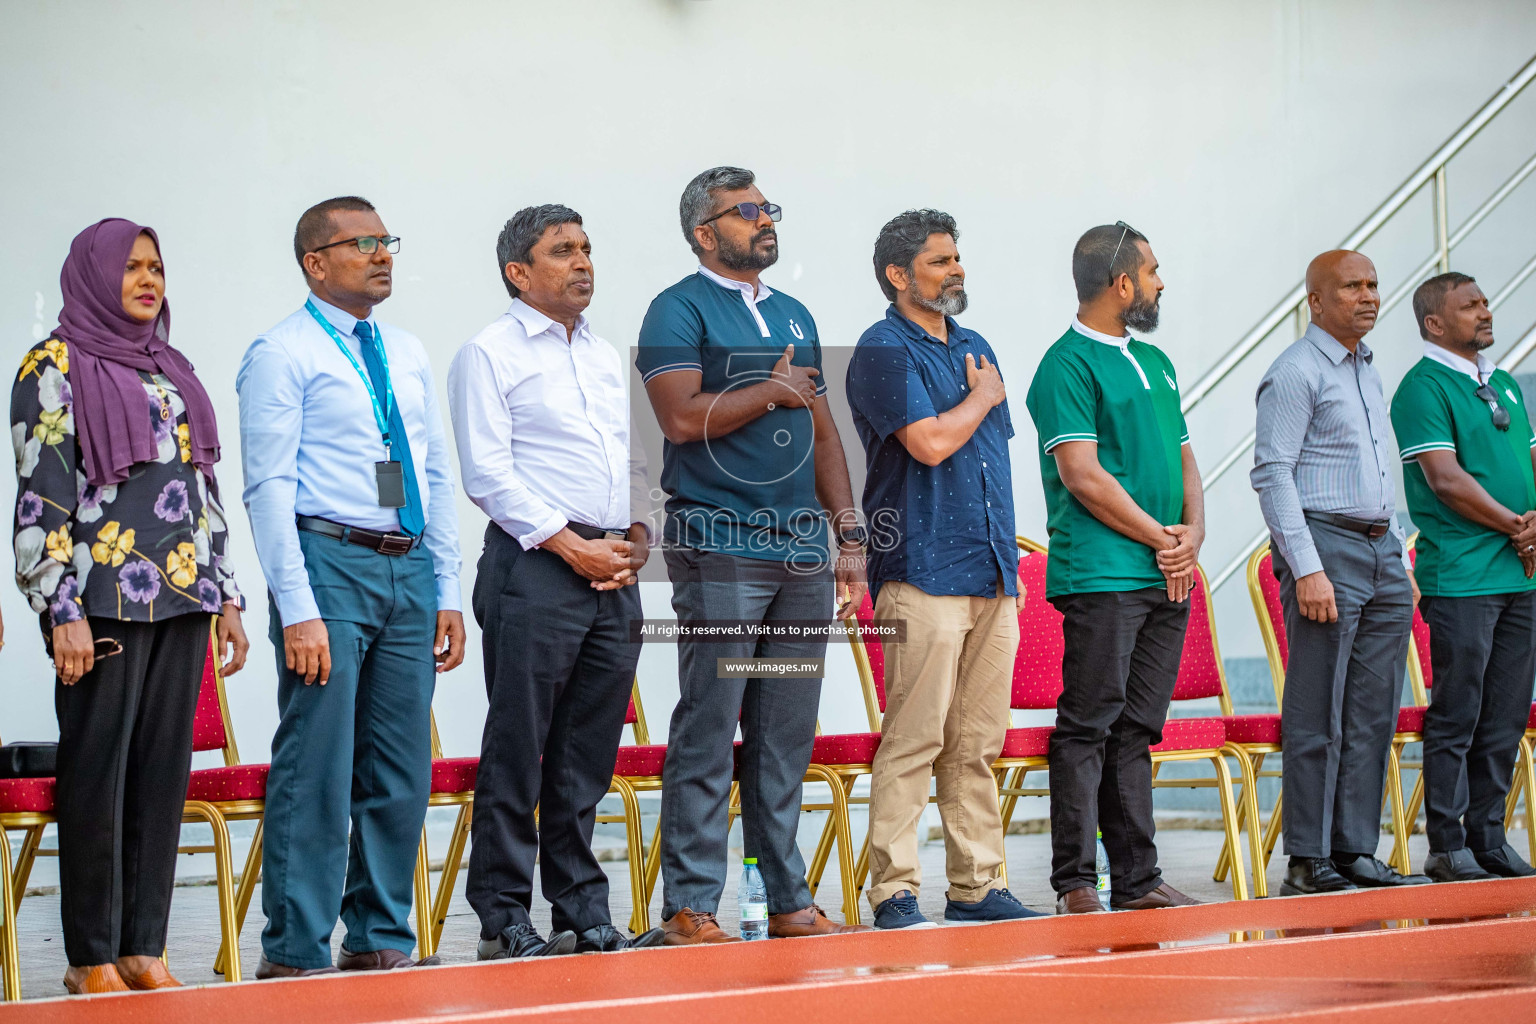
(637, 768)
(27, 805)
(850, 755)
(236, 792)
(1264, 590)
(1420, 679)
(1037, 683)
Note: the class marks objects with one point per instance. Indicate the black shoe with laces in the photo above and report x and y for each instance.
(997, 905)
(520, 940)
(1368, 872)
(1305, 876)
(900, 911)
(605, 938)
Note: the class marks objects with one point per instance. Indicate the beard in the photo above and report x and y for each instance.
(754, 255)
(1478, 344)
(1142, 314)
(947, 303)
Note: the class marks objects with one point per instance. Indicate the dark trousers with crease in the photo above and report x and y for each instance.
(1119, 666)
(125, 753)
(559, 665)
(1343, 681)
(1482, 653)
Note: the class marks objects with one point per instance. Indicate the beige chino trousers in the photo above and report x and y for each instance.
(946, 714)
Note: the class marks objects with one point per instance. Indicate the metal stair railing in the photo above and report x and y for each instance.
(1294, 305)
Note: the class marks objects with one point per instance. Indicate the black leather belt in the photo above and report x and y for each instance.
(1372, 528)
(374, 540)
(586, 532)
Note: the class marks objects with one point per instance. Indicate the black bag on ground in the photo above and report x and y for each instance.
(27, 760)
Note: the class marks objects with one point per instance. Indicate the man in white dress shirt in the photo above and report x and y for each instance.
(351, 505)
(541, 419)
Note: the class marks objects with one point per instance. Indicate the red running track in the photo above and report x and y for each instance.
(1440, 954)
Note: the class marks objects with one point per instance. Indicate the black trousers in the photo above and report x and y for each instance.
(559, 665)
(125, 753)
(1482, 653)
(1121, 661)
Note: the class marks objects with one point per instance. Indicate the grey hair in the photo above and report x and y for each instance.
(903, 237)
(699, 197)
(521, 233)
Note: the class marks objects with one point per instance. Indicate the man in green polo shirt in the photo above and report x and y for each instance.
(1126, 517)
(1468, 453)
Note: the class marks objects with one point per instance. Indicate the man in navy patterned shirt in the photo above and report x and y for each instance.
(930, 407)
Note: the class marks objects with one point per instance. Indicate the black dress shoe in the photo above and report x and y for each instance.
(1504, 862)
(1305, 876)
(520, 940)
(1455, 866)
(605, 938)
(1370, 873)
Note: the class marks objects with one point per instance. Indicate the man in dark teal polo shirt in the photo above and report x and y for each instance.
(1126, 517)
(1467, 449)
(752, 467)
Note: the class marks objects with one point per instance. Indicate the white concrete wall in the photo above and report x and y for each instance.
(1241, 137)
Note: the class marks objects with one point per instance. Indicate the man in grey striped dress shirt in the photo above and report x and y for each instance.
(1322, 468)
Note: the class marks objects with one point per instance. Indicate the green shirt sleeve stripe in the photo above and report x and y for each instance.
(1428, 446)
(1062, 438)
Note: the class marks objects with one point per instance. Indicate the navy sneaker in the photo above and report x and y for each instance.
(998, 905)
(900, 911)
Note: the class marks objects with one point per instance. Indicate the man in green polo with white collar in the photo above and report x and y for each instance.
(1126, 516)
(1469, 468)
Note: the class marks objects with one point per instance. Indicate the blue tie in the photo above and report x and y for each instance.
(411, 519)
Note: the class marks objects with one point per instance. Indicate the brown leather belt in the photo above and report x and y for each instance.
(384, 543)
(1372, 528)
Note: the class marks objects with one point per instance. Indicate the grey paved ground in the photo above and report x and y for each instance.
(1187, 857)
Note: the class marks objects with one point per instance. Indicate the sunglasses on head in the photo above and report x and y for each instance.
(1124, 230)
(1500, 414)
(750, 211)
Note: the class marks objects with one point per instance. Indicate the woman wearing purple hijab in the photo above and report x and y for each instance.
(120, 539)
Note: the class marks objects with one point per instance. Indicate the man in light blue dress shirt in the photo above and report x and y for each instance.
(1322, 470)
(351, 504)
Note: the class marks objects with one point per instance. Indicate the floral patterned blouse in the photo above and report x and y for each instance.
(143, 550)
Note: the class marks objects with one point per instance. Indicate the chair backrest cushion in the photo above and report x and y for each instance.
(1037, 680)
(1421, 632)
(872, 648)
(1199, 668)
(1269, 586)
(208, 724)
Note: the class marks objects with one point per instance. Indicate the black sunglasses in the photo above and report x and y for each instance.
(1500, 414)
(103, 647)
(367, 244)
(750, 211)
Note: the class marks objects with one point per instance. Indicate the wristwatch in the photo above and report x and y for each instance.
(858, 535)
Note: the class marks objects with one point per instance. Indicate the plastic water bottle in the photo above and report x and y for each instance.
(1101, 867)
(752, 900)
